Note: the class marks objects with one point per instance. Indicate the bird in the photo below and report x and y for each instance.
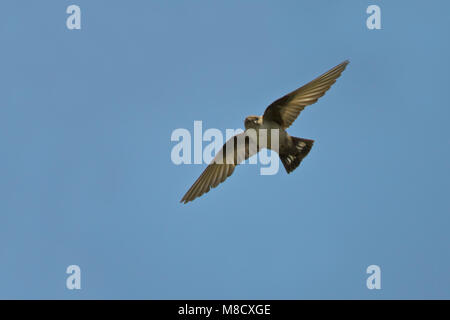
(278, 115)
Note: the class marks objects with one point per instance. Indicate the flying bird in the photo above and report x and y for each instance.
(279, 115)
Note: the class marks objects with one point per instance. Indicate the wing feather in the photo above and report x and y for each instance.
(222, 166)
(285, 110)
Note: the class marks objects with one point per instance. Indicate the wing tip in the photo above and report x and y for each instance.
(185, 200)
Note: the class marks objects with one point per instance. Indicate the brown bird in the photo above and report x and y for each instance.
(279, 115)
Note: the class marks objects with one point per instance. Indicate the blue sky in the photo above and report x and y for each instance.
(86, 176)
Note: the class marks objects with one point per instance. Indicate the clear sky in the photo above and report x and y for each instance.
(86, 176)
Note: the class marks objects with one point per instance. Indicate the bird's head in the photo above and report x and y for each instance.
(252, 122)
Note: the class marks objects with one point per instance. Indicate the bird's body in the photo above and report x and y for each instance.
(285, 143)
(257, 123)
(263, 131)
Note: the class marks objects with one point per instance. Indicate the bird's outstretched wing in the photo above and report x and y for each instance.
(233, 152)
(285, 110)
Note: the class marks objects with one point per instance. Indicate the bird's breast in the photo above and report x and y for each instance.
(265, 139)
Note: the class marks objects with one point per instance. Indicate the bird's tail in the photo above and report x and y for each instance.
(292, 158)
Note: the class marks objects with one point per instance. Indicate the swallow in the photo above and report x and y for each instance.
(279, 115)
